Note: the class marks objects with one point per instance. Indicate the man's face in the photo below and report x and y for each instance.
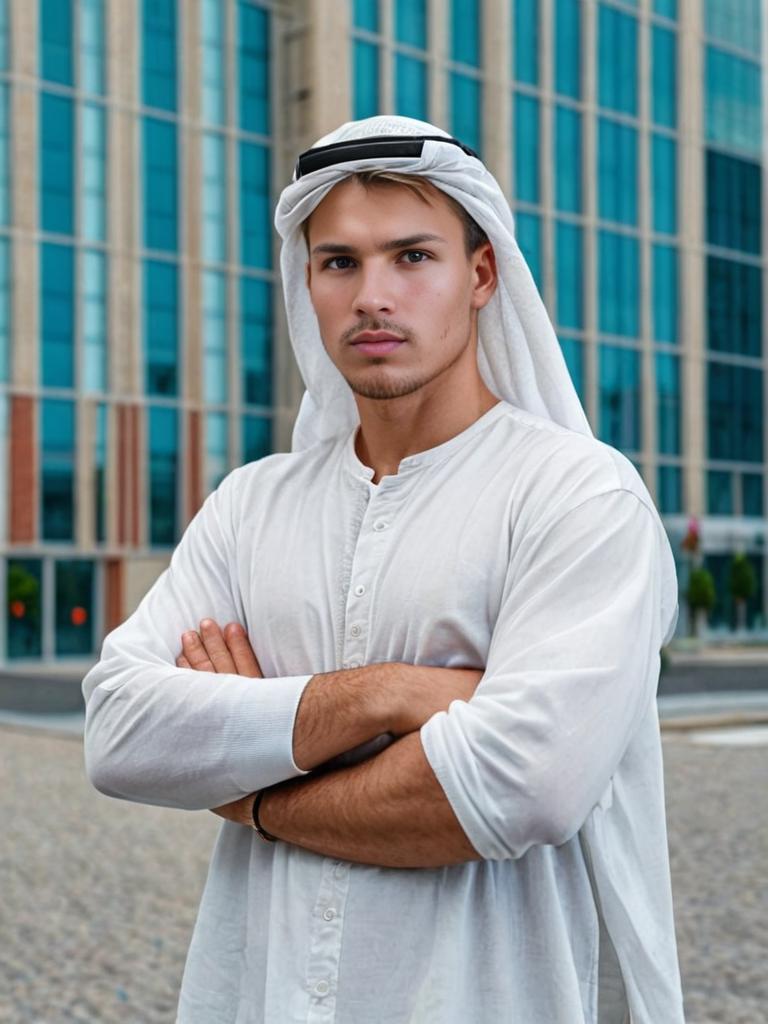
(384, 261)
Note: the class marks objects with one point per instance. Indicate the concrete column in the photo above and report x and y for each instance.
(589, 206)
(497, 97)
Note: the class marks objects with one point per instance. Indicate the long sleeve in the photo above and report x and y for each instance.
(572, 666)
(159, 734)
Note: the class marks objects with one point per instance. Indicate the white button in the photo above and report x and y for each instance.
(329, 914)
(322, 987)
(355, 631)
(379, 525)
(341, 870)
(359, 589)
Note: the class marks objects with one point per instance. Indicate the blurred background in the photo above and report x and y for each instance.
(143, 351)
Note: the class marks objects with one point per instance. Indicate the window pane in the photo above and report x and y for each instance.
(257, 438)
(91, 14)
(56, 164)
(617, 60)
(568, 48)
(734, 203)
(465, 117)
(573, 351)
(527, 169)
(74, 607)
(159, 53)
(254, 68)
(567, 169)
(365, 14)
(664, 184)
(215, 337)
(57, 469)
(667, 8)
(160, 328)
(163, 471)
(25, 604)
(670, 490)
(525, 34)
(100, 474)
(736, 22)
(93, 315)
(5, 311)
(93, 185)
(465, 32)
(733, 106)
(619, 370)
(411, 87)
(668, 403)
(216, 449)
(411, 22)
(213, 60)
(719, 493)
(160, 188)
(214, 212)
(365, 57)
(734, 307)
(665, 289)
(618, 283)
(57, 315)
(528, 233)
(56, 41)
(5, 149)
(735, 412)
(664, 71)
(752, 494)
(256, 341)
(255, 207)
(569, 275)
(617, 171)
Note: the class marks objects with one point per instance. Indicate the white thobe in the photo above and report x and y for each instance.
(517, 545)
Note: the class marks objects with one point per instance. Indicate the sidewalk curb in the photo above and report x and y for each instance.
(715, 720)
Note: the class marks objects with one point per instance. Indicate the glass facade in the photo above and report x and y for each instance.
(162, 461)
(57, 469)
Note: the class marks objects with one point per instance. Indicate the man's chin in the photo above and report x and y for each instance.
(384, 389)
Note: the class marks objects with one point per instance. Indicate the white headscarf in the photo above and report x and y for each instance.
(519, 356)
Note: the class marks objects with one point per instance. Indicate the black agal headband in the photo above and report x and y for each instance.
(364, 149)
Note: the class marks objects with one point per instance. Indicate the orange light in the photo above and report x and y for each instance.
(18, 609)
(78, 615)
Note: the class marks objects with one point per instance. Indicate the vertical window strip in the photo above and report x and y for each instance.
(160, 185)
(465, 32)
(55, 21)
(411, 87)
(214, 67)
(525, 29)
(528, 234)
(163, 473)
(620, 397)
(365, 15)
(256, 437)
(735, 22)
(215, 337)
(159, 53)
(664, 184)
(161, 328)
(4, 34)
(618, 283)
(256, 341)
(667, 403)
(100, 473)
(411, 23)
(465, 106)
(255, 208)
(57, 275)
(216, 449)
(567, 156)
(664, 76)
(733, 101)
(365, 72)
(57, 163)
(91, 46)
(567, 29)
(527, 149)
(569, 266)
(253, 68)
(665, 292)
(93, 318)
(214, 198)
(617, 171)
(93, 172)
(57, 469)
(5, 154)
(5, 312)
(617, 60)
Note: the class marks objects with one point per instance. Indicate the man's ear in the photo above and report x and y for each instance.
(485, 275)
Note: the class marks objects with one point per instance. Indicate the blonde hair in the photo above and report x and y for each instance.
(474, 236)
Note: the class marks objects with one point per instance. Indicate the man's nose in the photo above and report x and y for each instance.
(374, 295)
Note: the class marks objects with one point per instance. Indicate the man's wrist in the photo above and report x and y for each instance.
(256, 817)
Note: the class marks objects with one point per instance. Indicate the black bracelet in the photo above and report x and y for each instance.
(256, 823)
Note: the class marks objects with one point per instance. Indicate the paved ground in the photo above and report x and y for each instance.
(99, 895)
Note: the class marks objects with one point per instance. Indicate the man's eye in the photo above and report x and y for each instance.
(416, 252)
(335, 259)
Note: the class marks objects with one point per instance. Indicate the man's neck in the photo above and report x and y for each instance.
(393, 429)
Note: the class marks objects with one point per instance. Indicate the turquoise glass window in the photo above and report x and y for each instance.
(411, 87)
(5, 313)
(365, 60)
(74, 624)
(160, 185)
(216, 449)
(525, 37)
(567, 168)
(670, 490)
(100, 473)
(4, 34)
(617, 60)
(573, 352)
(93, 173)
(734, 307)
(55, 21)
(465, 113)
(664, 76)
(617, 171)
(752, 488)
(618, 260)
(215, 337)
(5, 149)
(568, 48)
(256, 340)
(664, 184)
(527, 150)
(365, 14)
(411, 23)
(667, 8)
(255, 207)
(214, 198)
(668, 403)
(253, 67)
(93, 317)
(528, 234)
(163, 474)
(734, 203)
(56, 164)
(161, 327)
(733, 105)
(735, 22)
(719, 493)
(24, 622)
(57, 315)
(465, 31)
(569, 275)
(735, 412)
(57, 469)
(665, 293)
(257, 437)
(213, 58)
(620, 397)
(158, 53)
(92, 58)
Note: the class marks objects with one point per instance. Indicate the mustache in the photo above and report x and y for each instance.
(377, 325)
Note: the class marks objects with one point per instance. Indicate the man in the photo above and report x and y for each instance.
(456, 597)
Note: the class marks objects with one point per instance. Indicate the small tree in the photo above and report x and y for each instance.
(742, 584)
(700, 595)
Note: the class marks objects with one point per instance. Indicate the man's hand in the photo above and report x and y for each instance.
(210, 650)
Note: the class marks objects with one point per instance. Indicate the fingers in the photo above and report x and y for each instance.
(206, 651)
(246, 663)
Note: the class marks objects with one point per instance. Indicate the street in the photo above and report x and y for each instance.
(99, 895)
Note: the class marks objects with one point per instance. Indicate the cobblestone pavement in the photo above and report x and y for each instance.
(99, 895)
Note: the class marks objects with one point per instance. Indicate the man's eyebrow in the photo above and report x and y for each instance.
(395, 243)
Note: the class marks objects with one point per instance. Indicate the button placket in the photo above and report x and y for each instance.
(325, 941)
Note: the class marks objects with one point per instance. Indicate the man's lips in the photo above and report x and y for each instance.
(376, 343)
